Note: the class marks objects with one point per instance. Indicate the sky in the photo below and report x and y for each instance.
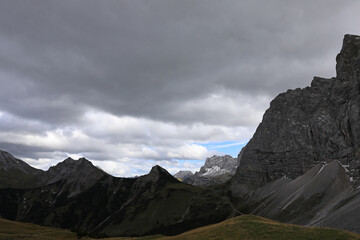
(129, 84)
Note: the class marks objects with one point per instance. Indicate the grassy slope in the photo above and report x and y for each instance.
(243, 227)
(10, 230)
(250, 227)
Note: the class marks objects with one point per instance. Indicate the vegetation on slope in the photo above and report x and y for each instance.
(10, 230)
(246, 227)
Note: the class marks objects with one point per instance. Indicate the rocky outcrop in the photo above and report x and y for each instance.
(304, 127)
(181, 175)
(219, 164)
(217, 170)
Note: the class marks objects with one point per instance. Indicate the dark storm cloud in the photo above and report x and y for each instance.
(23, 151)
(146, 58)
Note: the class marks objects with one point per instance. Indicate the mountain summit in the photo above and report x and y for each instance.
(75, 175)
(304, 127)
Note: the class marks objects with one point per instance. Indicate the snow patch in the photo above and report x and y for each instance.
(286, 177)
(322, 167)
(344, 166)
(215, 170)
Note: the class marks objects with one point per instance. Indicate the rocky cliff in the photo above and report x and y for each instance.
(181, 175)
(304, 127)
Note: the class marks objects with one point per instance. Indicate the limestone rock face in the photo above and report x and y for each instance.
(217, 169)
(304, 127)
(182, 175)
(226, 163)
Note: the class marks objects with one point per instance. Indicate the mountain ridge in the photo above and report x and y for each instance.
(216, 170)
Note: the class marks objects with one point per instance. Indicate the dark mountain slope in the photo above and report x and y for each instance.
(306, 198)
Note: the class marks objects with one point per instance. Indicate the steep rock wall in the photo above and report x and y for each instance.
(304, 127)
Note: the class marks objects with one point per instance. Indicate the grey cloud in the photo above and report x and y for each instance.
(24, 151)
(158, 60)
(143, 58)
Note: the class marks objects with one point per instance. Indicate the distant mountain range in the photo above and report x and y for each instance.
(217, 170)
(76, 195)
(302, 166)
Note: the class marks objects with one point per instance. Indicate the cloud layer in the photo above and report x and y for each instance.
(141, 82)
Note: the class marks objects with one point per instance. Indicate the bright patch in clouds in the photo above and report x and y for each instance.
(231, 148)
(125, 146)
(137, 167)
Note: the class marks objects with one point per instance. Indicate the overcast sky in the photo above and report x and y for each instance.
(130, 84)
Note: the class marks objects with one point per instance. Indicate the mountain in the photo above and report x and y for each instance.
(15, 173)
(181, 175)
(217, 170)
(304, 127)
(302, 165)
(76, 195)
(74, 176)
(311, 194)
(323, 196)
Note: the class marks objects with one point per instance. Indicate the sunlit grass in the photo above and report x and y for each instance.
(250, 227)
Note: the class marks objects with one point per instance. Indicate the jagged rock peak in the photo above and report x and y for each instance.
(226, 162)
(216, 170)
(182, 175)
(73, 170)
(156, 170)
(347, 66)
(70, 162)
